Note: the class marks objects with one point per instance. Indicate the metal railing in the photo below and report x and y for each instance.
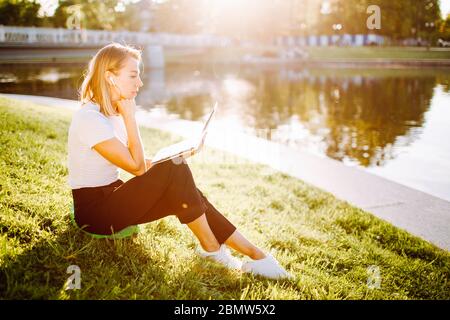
(51, 36)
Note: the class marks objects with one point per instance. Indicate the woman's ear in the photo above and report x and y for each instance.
(109, 78)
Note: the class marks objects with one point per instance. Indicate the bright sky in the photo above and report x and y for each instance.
(445, 7)
(48, 7)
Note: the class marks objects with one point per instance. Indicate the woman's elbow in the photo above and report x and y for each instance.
(140, 170)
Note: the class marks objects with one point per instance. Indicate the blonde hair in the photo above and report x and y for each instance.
(95, 87)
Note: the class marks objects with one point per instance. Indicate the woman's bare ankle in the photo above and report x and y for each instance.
(210, 247)
(257, 254)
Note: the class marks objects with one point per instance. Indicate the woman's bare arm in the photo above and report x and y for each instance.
(131, 158)
(118, 154)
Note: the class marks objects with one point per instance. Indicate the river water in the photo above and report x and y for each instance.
(392, 122)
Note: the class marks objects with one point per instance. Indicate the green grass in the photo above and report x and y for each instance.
(235, 54)
(326, 243)
(394, 53)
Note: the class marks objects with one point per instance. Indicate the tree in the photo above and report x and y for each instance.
(426, 16)
(19, 13)
(182, 16)
(93, 14)
(399, 19)
(137, 17)
(444, 29)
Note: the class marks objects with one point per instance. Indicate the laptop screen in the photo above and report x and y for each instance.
(210, 116)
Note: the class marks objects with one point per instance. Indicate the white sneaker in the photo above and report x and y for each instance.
(267, 267)
(223, 256)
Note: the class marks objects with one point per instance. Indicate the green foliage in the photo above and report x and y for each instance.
(93, 14)
(326, 243)
(399, 19)
(249, 20)
(444, 29)
(19, 13)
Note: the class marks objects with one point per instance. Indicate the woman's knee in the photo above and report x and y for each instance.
(178, 161)
(182, 168)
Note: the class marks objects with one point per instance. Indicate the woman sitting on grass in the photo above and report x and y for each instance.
(104, 136)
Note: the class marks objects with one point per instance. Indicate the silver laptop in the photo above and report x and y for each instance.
(185, 147)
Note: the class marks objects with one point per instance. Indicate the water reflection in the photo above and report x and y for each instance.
(53, 81)
(362, 117)
(355, 118)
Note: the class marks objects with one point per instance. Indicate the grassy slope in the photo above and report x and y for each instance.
(344, 53)
(378, 53)
(325, 242)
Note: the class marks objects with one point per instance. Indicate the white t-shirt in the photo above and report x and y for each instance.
(87, 168)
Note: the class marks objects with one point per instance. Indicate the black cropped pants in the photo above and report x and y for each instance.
(167, 188)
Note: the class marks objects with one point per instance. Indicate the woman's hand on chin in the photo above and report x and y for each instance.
(126, 107)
